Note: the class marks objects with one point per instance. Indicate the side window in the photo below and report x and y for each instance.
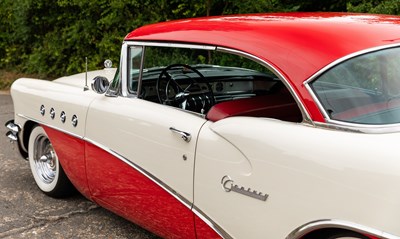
(207, 81)
(134, 60)
(115, 84)
(362, 90)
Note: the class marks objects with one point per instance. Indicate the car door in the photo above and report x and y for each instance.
(140, 165)
(140, 153)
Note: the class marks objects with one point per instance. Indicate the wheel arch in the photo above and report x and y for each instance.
(328, 227)
(26, 132)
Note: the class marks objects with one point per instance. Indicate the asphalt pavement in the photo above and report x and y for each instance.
(28, 213)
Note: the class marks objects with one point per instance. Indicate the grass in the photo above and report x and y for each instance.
(8, 77)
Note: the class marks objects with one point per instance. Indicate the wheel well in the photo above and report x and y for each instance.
(28, 127)
(328, 233)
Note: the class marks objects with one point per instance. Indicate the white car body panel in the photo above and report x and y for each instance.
(140, 127)
(64, 94)
(305, 168)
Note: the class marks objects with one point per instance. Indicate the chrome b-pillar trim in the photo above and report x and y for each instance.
(303, 230)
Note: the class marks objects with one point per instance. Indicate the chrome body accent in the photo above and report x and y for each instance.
(229, 186)
(12, 136)
(185, 136)
(52, 113)
(63, 116)
(12, 127)
(13, 132)
(362, 128)
(42, 110)
(338, 224)
(74, 120)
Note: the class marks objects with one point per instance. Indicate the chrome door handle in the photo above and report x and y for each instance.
(185, 136)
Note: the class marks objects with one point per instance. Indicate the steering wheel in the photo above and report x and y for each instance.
(170, 92)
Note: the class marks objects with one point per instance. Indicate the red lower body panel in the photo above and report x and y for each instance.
(70, 152)
(119, 187)
(203, 231)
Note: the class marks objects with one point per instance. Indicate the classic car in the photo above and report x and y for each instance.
(270, 126)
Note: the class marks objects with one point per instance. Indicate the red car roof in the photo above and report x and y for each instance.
(297, 44)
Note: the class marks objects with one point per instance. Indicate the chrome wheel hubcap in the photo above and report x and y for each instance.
(44, 159)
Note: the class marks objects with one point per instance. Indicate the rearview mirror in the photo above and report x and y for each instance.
(100, 84)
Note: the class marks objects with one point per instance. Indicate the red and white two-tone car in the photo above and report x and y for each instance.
(250, 126)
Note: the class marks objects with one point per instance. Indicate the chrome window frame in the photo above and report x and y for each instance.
(341, 125)
(125, 54)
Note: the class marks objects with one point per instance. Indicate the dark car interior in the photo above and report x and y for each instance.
(217, 86)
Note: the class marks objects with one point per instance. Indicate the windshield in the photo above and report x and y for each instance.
(363, 90)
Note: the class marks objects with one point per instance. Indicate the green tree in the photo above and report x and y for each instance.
(377, 6)
(54, 37)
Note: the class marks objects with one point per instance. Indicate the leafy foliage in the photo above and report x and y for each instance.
(53, 37)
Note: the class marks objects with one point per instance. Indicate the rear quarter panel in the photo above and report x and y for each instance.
(309, 174)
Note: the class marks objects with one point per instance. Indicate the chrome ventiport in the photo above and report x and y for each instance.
(52, 113)
(14, 129)
(63, 116)
(42, 110)
(74, 120)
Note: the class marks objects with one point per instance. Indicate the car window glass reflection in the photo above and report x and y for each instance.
(364, 89)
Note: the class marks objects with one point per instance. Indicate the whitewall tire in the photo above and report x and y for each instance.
(45, 166)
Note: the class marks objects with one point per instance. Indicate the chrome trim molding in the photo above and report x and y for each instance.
(124, 70)
(221, 232)
(304, 112)
(164, 44)
(50, 126)
(337, 224)
(347, 57)
(362, 128)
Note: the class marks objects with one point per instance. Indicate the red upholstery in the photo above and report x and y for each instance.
(279, 106)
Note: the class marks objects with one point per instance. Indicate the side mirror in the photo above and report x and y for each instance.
(100, 84)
